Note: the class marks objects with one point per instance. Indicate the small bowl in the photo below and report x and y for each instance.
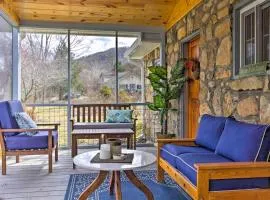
(119, 157)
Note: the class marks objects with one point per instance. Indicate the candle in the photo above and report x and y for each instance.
(105, 151)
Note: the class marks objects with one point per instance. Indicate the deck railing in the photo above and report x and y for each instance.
(147, 124)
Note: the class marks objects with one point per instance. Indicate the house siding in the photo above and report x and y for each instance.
(247, 99)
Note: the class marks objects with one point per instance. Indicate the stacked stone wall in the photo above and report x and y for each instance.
(248, 99)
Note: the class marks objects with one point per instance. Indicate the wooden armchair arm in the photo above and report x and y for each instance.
(56, 125)
(50, 131)
(183, 142)
(24, 130)
(233, 170)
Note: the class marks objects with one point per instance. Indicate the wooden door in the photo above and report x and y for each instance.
(193, 92)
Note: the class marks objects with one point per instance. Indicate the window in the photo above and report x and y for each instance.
(5, 60)
(44, 63)
(93, 66)
(266, 32)
(251, 37)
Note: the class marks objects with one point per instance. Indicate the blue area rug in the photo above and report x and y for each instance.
(161, 191)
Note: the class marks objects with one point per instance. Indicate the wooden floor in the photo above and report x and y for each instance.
(29, 179)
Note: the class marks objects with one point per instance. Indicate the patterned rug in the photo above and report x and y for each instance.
(161, 191)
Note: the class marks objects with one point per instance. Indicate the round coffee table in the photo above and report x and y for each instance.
(141, 159)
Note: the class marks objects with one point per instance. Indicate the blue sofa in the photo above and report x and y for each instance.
(14, 144)
(228, 157)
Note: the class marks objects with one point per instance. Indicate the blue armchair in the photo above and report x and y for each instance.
(45, 141)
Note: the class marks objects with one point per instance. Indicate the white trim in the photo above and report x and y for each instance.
(191, 167)
(263, 136)
(251, 5)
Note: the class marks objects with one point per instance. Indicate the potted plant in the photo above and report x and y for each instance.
(165, 89)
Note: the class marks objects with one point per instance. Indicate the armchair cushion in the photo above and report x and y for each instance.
(210, 130)
(24, 121)
(185, 164)
(101, 125)
(25, 142)
(119, 116)
(6, 119)
(169, 152)
(242, 141)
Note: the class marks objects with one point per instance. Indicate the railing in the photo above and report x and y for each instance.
(147, 124)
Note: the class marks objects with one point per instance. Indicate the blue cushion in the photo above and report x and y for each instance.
(38, 141)
(169, 152)
(6, 120)
(24, 121)
(244, 142)
(210, 130)
(14, 107)
(185, 164)
(119, 116)
(101, 125)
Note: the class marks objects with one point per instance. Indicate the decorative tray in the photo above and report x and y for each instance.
(127, 158)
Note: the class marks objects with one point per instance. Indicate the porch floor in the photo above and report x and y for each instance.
(29, 179)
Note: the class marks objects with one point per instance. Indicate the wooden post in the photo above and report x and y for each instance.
(202, 185)
(50, 150)
(160, 171)
(56, 152)
(4, 163)
(17, 159)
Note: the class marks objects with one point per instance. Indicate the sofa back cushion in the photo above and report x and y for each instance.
(244, 142)
(6, 120)
(209, 131)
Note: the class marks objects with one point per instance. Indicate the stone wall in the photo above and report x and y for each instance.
(151, 121)
(247, 99)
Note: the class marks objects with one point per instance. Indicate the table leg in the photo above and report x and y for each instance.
(133, 179)
(128, 142)
(112, 183)
(74, 148)
(134, 140)
(117, 185)
(94, 185)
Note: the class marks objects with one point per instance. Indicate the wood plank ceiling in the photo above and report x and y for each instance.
(132, 12)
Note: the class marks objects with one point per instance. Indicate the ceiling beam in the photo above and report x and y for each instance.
(7, 9)
(181, 8)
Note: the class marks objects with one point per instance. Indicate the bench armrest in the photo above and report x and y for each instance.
(183, 142)
(25, 130)
(56, 125)
(232, 170)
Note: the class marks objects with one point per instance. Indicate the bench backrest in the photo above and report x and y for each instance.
(94, 112)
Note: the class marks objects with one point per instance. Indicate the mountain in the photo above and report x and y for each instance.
(103, 61)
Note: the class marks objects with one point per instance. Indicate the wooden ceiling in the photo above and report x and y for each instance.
(132, 12)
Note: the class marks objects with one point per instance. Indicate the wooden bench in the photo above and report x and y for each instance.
(85, 116)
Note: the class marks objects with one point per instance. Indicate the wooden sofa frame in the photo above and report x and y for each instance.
(17, 153)
(97, 113)
(212, 171)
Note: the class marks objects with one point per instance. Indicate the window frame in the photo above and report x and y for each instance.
(242, 9)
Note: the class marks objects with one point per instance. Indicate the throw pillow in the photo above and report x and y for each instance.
(24, 121)
(244, 142)
(119, 116)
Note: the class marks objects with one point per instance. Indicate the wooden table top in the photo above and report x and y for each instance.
(103, 131)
